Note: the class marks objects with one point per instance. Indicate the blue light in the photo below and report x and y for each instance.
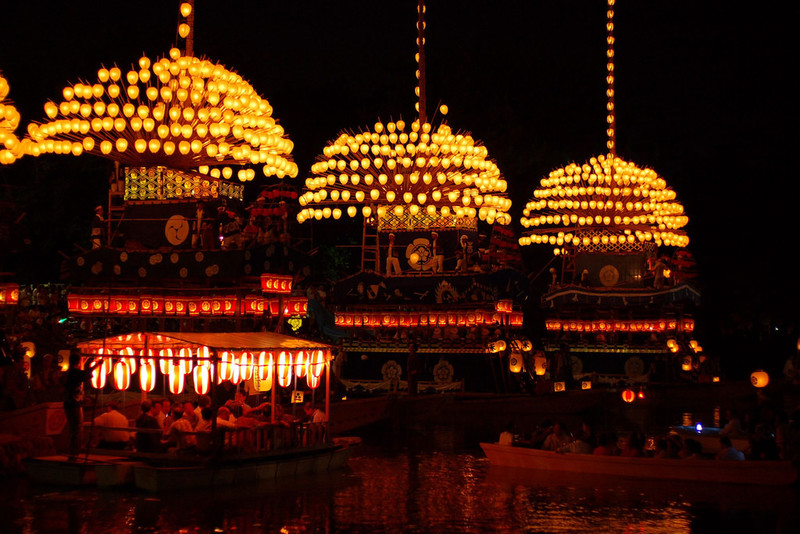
(699, 427)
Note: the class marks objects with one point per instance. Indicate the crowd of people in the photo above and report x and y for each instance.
(769, 434)
(169, 425)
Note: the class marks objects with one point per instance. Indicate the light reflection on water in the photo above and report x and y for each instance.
(420, 491)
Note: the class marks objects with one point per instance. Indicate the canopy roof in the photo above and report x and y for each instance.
(222, 341)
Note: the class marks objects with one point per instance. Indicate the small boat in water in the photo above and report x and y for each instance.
(702, 470)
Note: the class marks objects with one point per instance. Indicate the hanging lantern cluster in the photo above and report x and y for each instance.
(413, 319)
(9, 120)
(421, 172)
(233, 366)
(600, 326)
(606, 202)
(178, 111)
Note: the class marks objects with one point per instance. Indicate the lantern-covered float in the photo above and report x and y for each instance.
(621, 292)
(186, 135)
(437, 251)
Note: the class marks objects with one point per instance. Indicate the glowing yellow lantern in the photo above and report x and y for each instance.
(316, 364)
(98, 379)
(175, 379)
(246, 365)
(225, 371)
(301, 362)
(759, 378)
(515, 362)
(686, 364)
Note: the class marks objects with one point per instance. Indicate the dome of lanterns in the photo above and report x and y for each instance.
(178, 111)
(416, 171)
(606, 202)
(9, 120)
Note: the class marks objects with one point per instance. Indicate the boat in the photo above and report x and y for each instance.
(780, 473)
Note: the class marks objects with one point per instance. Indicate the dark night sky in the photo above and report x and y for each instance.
(703, 96)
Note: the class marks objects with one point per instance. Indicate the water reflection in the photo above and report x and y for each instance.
(410, 490)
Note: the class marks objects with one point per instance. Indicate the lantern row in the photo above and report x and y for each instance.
(193, 306)
(433, 318)
(680, 325)
(9, 295)
(9, 120)
(232, 366)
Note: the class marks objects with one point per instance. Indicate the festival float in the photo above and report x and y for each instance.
(176, 127)
(621, 295)
(440, 269)
(176, 247)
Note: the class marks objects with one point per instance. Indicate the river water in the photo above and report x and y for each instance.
(419, 485)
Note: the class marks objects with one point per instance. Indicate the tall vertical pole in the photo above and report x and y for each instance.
(421, 109)
(611, 118)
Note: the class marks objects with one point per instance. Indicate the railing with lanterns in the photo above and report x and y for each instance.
(412, 319)
(182, 305)
(599, 326)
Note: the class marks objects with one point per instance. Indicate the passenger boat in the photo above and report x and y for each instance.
(266, 450)
(744, 472)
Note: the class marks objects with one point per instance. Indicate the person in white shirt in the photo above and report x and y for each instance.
(109, 424)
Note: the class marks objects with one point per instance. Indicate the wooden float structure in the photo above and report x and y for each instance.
(773, 473)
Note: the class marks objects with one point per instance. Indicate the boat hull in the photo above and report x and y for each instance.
(746, 472)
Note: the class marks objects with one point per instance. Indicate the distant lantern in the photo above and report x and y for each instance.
(497, 346)
(686, 365)
(515, 362)
(147, 375)
(559, 386)
(586, 384)
(628, 395)
(759, 378)
(122, 375)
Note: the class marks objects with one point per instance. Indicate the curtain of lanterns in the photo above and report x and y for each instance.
(233, 366)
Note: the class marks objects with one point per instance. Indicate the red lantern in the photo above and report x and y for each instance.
(225, 367)
(313, 381)
(246, 365)
(147, 375)
(98, 377)
(165, 360)
(628, 395)
(181, 305)
(146, 304)
(316, 363)
(301, 362)
(185, 360)
(175, 378)
(122, 375)
(193, 306)
(202, 379)
(284, 369)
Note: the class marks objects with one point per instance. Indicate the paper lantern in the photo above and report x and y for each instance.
(225, 370)
(122, 375)
(313, 381)
(165, 360)
(264, 372)
(246, 365)
(586, 384)
(175, 379)
(515, 362)
(540, 364)
(759, 378)
(147, 375)
(202, 379)
(236, 373)
(628, 395)
(126, 355)
(301, 363)
(316, 363)
(284, 369)
(686, 363)
(559, 386)
(98, 377)
(185, 360)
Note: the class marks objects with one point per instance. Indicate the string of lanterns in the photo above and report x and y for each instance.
(658, 325)
(233, 366)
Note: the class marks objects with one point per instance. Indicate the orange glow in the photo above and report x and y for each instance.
(628, 395)
(202, 379)
(147, 375)
(284, 369)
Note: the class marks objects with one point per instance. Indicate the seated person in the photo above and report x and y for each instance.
(507, 435)
(149, 440)
(111, 437)
(557, 439)
(727, 451)
(180, 435)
